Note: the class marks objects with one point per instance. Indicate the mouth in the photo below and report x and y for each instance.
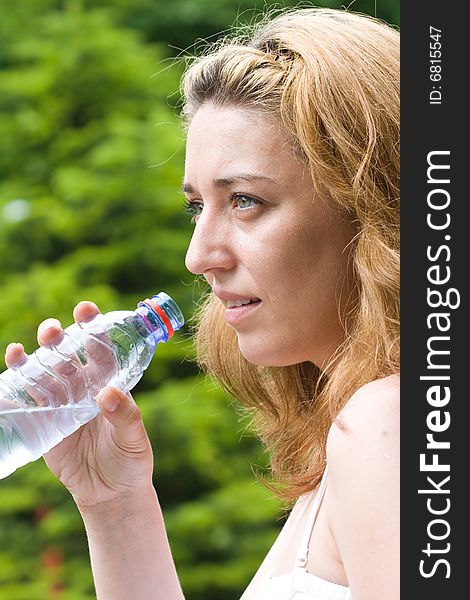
(233, 304)
(238, 307)
(237, 311)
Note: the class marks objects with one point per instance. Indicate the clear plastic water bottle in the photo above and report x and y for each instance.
(52, 393)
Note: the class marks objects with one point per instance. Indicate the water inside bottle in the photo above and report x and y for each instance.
(27, 433)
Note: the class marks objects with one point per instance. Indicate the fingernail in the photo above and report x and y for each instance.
(50, 323)
(111, 401)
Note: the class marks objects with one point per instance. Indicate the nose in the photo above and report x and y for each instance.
(210, 248)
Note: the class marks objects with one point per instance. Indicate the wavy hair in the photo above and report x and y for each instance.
(332, 78)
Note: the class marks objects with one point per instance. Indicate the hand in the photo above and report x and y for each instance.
(110, 458)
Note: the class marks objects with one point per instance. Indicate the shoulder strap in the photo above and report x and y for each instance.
(302, 554)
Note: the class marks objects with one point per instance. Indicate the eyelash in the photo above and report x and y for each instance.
(194, 208)
(190, 209)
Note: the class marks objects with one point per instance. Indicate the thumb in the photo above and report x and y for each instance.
(124, 415)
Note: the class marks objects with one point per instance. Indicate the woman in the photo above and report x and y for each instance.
(291, 178)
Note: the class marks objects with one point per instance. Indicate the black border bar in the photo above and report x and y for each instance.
(435, 391)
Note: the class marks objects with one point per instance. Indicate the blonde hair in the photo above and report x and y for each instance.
(332, 78)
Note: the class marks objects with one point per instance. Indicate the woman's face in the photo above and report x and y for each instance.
(273, 252)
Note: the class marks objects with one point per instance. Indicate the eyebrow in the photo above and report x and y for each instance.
(226, 181)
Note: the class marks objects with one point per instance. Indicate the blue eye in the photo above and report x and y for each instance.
(245, 202)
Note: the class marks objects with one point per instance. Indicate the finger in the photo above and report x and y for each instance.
(50, 332)
(14, 354)
(66, 381)
(100, 354)
(123, 413)
(56, 374)
(85, 311)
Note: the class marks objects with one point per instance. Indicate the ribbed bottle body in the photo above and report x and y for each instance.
(52, 393)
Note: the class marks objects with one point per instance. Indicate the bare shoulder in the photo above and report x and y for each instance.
(363, 446)
(363, 455)
(371, 416)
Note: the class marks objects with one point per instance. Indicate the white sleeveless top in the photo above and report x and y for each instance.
(299, 584)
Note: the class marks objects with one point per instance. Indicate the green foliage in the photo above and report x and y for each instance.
(190, 21)
(220, 520)
(91, 161)
(216, 513)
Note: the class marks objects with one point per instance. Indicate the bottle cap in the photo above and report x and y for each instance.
(161, 313)
(167, 310)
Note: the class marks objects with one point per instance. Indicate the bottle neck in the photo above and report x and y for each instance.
(161, 312)
(153, 321)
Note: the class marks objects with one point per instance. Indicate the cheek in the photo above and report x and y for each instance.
(295, 260)
(306, 272)
(282, 246)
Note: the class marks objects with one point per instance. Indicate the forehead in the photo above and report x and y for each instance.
(231, 120)
(227, 138)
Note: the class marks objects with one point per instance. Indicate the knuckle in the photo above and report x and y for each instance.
(135, 415)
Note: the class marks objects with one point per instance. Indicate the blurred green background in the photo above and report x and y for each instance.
(91, 162)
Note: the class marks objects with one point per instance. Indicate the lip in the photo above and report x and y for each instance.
(234, 314)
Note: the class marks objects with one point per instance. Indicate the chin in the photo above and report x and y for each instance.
(264, 355)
